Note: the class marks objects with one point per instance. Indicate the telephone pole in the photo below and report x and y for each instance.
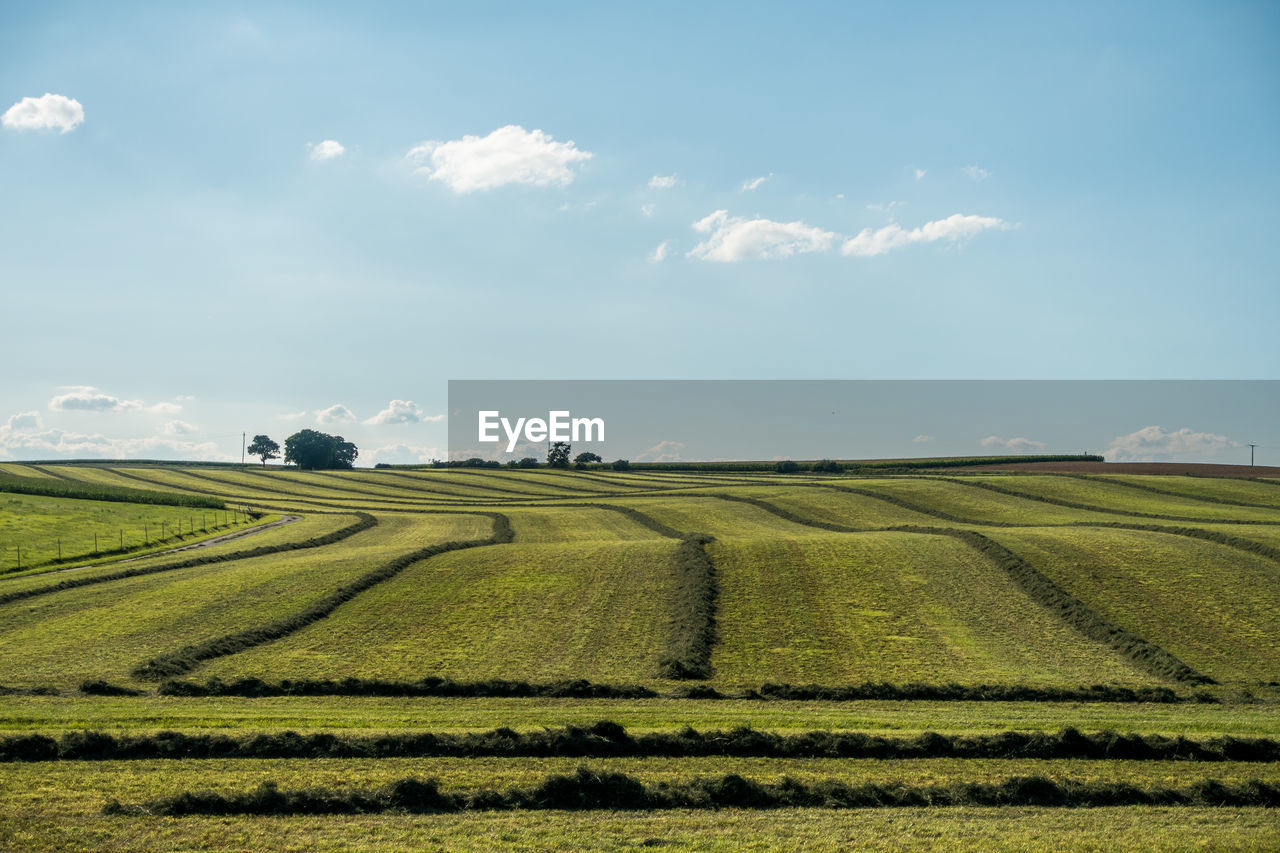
(242, 435)
(1251, 447)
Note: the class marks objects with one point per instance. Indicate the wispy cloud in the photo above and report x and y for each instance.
(508, 155)
(659, 254)
(976, 172)
(47, 112)
(86, 398)
(1157, 444)
(663, 451)
(335, 414)
(735, 238)
(401, 412)
(922, 439)
(1016, 445)
(920, 173)
(754, 183)
(953, 229)
(663, 182)
(327, 150)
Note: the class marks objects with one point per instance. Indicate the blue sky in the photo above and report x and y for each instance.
(979, 191)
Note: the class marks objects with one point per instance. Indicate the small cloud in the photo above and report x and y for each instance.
(646, 209)
(292, 416)
(1157, 444)
(734, 238)
(335, 414)
(663, 182)
(178, 428)
(327, 150)
(920, 173)
(754, 183)
(44, 113)
(923, 439)
(184, 398)
(884, 206)
(659, 254)
(399, 412)
(25, 422)
(1016, 445)
(86, 398)
(508, 155)
(976, 172)
(663, 451)
(163, 408)
(402, 454)
(953, 229)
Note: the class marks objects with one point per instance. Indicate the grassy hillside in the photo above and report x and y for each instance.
(1010, 586)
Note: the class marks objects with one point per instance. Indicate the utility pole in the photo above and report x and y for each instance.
(242, 435)
(1251, 447)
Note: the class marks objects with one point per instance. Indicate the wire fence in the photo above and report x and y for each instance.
(80, 545)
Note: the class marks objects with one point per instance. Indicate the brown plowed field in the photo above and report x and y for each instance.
(1195, 469)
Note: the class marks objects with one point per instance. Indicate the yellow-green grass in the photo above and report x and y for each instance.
(305, 527)
(371, 715)
(24, 471)
(1102, 494)
(1266, 534)
(104, 630)
(1140, 830)
(256, 497)
(544, 481)
(411, 487)
(979, 505)
(573, 524)
(82, 786)
(540, 612)
(897, 607)
(834, 507)
(297, 484)
(37, 525)
(717, 516)
(1212, 606)
(502, 483)
(1221, 488)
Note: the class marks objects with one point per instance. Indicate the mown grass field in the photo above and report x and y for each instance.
(1023, 581)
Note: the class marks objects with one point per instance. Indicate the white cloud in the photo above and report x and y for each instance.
(508, 155)
(922, 439)
(1017, 445)
(647, 209)
(659, 254)
(86, 398)
(335, 414)
(663, 451)
(401, 454)
(1156, 444)
(734, 238)
(163, 408)
(754, 183)
(663, 182)
(56, 442)
(45, 112)
(954, 228)
(327, 150)
(920, 173)
(178, 428)
(401, 412)
(292, 416)
(25, 422)
(976, 172)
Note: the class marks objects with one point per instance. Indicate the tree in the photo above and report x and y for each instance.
(786, 466)
(826, 466)
(558, 455)
(583, 459)
(621, 465)
(264, 447)
(311, 449)
(527, 462)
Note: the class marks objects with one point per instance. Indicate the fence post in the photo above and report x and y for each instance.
(59, 549)
(95, 541)
(19, 547)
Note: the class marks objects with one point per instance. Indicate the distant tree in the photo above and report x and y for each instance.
(527, 462)
(558, 455)
(313, 450)
(584, 459)
(264, 447)
(621, 465)
(786, 466)
(826, 466)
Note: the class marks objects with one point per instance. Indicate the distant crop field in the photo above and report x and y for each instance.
(941, 601)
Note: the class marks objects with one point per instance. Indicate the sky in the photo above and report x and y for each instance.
(218, 219)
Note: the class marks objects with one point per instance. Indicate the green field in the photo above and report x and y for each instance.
(554, 576)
